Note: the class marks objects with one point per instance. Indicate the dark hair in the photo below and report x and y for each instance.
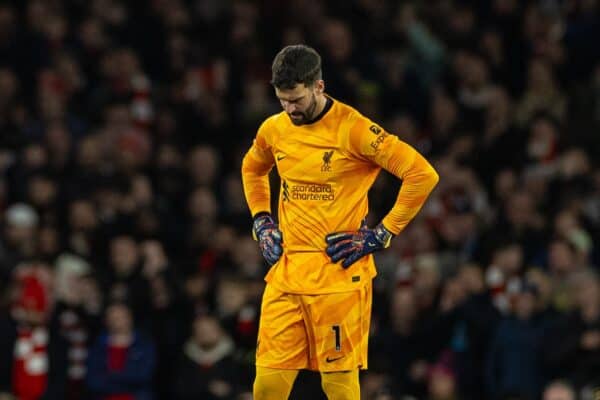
(296, 64)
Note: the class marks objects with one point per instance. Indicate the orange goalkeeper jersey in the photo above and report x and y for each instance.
(326, 169)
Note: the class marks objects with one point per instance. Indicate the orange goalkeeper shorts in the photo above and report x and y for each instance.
(325, 332)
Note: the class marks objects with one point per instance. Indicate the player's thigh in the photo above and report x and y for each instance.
(339, 329)
(282, 341)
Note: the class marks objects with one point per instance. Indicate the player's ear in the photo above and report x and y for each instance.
(320, 86)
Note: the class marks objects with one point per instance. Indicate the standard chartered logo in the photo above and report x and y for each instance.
(311, 192)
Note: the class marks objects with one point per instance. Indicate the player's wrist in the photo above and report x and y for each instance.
(261, 221)
(383, 235)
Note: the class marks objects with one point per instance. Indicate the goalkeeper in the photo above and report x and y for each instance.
(316, 307)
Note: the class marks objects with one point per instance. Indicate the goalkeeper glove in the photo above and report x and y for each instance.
(269, 237)
(351, 246)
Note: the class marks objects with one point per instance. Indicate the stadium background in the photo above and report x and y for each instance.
(122, 128)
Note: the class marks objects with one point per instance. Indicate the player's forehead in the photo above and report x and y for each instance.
(297, 92)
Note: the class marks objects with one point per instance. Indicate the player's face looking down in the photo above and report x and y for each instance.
(302, 103)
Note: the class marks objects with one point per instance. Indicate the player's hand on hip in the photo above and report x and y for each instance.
(352, 246)
(269, 237)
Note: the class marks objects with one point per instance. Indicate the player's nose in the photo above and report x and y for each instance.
(289, 107)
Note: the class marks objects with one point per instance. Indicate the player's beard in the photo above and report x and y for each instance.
(306, 116)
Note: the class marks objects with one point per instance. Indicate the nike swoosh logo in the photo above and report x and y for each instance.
(371, 244)
(279, 158)
(329, 360)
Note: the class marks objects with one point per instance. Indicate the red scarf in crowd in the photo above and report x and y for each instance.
(30, 365)
(30, 362)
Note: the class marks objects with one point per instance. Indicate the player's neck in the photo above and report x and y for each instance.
(321, 108)
(321, 103)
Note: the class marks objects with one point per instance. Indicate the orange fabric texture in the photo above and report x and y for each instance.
(326, 170)
(326, 333)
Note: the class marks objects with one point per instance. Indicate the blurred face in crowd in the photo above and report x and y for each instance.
(42, 191)
(82, 215)
(540, 75)
(202, 204)
(504, 184)
(520, 209)
(426, 279)
(498, 110)
(444, 112)
(422, 237)
(543, 283)
(542, 139)
(141, 190)
(58, 140)
(89, 152)
(300, 103)
(587, 291)
(231, 296)
(559, 391)
(476, 72)
(48, 242)
(525, 305)
(575, 162)
(8, 84)
(246, 255)
(561, 258)
(124, 254)
(403, 308)
(92, 35)
(34, 156)
(441, 385)
(207, 332)
(119, 320)
(338, 40)
(471, 278)
(565, 222)
(118, 119)
(16, 234)
(508, 258)
(453, 293)
(203, 165)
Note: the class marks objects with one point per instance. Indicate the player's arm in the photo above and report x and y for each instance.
(256, 165)
(370, 142)
(402, 160)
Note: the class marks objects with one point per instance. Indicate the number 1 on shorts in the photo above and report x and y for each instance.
(338, 344)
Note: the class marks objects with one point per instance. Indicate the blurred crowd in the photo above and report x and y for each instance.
(127, 268)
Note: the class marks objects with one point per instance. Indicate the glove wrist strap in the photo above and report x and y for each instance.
(260, 220)
(383, 235)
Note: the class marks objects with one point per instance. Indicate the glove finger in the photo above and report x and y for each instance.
(351, 259)
(337, 236)
(277, 250)
(335, 247)
(276, 235)
(342, 254)
(271, 257)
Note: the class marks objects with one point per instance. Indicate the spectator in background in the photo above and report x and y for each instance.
(574, 347)
(20, 226)
(121, 362)
(559, 390)
(78, 315)
(400, 348)
(207, 368)
(33, 353)
(514, 361)
(125, 281)
(441, 383)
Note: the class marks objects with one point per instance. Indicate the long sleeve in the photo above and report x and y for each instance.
(256, 165)
(372, 143)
